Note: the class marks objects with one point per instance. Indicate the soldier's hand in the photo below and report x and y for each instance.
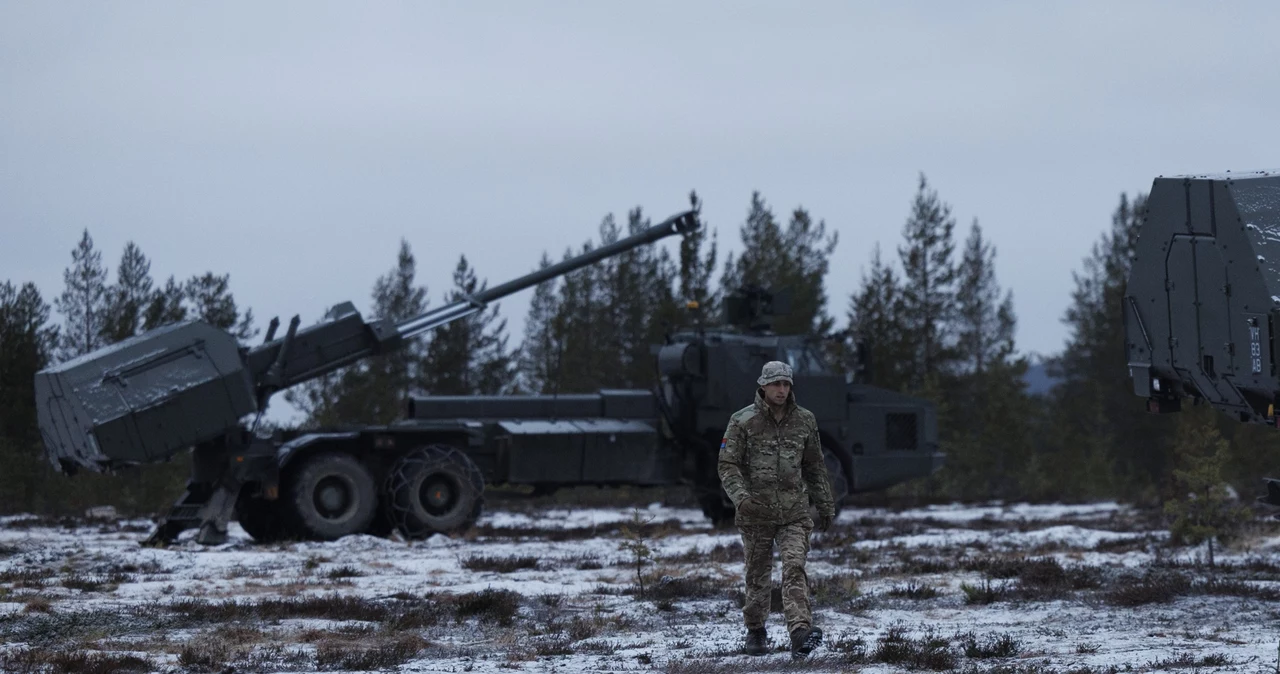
(825, 518)
(750, 507)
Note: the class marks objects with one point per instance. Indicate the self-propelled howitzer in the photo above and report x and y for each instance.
(193, 386)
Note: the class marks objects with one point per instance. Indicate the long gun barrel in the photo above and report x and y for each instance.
(148, 397)
(682, 223)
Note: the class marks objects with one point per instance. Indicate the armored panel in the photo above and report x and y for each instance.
(543, 451)
(1180, 270)
(825, 396)
(1202, 291)
(622, 452)
(143, 399)
(1213, 307)
(584, 451)
(1200, 216)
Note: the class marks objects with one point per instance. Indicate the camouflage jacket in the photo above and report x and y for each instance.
(777, 462)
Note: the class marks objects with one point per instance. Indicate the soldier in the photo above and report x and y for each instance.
(771, 467)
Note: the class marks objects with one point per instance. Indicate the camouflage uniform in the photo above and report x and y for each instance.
(777, 464)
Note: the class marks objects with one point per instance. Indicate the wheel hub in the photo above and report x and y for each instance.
(438, 495)
(332, 497)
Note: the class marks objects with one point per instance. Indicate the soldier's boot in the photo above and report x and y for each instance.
(804, 640)
(757, 642)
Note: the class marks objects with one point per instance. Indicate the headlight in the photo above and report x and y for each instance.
(1155, 384)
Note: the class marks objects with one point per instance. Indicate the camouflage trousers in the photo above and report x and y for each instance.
(793, 547)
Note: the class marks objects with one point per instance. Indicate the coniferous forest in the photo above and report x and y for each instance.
(937, 320)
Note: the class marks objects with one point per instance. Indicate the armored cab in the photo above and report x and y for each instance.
(872, 438)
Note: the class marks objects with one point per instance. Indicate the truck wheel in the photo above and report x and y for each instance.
(434, 489)
(333, 496)
(262, 519)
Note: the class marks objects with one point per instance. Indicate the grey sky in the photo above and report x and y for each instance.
(293, 144)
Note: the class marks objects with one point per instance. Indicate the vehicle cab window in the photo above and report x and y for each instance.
(804, 360)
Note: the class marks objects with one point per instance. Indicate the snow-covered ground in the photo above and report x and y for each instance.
(1010, 588)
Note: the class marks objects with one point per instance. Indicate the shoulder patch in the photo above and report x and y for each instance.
(723, 443)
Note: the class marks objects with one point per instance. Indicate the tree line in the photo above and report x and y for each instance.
(934, 318)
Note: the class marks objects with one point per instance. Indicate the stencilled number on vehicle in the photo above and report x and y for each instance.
(1255, 348)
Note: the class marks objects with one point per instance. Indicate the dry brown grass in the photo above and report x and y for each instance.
(26, 577)
(500, 564)
(37, 604)
(72, 662)
(367, 656)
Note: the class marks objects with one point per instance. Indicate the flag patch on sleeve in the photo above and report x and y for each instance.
(723, 442)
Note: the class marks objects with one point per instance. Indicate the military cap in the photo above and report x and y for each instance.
(775, 370)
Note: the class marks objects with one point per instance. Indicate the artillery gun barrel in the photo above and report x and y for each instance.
(682, 223)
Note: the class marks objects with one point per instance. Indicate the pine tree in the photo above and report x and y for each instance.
(395, 294)
(640, 305)
(1094, 405)
(579, 356)
(984, 322)
(989, 432)
(469, 356)
(794, 261)
(128, 299)
(697, 268)
(165, 306)
(762, 249)
(1202, 510)
(372, 391)
(27, 344)
(83, 302)
(810, 254)
(875, 320)
(539, 351)
(212, 302)
(614, 292)
(928, 288)
(389, 379)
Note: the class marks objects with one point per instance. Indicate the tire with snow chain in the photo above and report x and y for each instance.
(433, 489)
(333, 495)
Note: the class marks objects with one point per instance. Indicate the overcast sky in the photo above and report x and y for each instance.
(293, 144)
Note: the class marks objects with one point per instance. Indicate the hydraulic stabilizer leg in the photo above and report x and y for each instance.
(208, 507)
(217, 512)
(204, 506)
(217, 475)
(182, 515)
